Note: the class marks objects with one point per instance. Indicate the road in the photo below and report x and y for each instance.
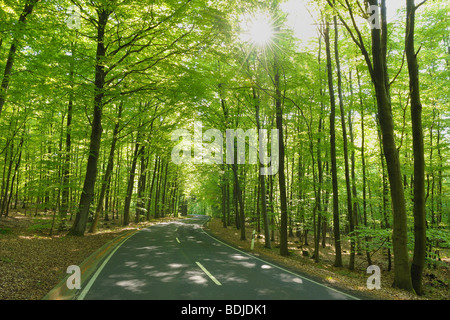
(179, 261)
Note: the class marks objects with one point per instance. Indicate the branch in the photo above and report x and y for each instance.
(418, 50)
(401, 67)
(359, 42)
(417, 7)
(142, 33)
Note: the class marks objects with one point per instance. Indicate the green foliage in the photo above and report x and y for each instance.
(40, 225)
(373, 239)
(439, 236)
(170, 63)
(5, 230)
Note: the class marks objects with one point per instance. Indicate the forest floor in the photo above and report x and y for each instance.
(436, 281)
(32, 262)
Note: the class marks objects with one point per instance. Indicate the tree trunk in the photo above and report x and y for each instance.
(281, 174)
(337, 235)
(402, 275)
(66, 166)
(140, 202)
(318, 191)
(151, 188)
(239, 204)
(126, 210)
(363, 162)
(28, 9)
(79, 225)
(16, 170)
(5, 186)
(351, 265)
(163, 202)
(224, 196)
(418, 262)
(356, 214)
(158, 190)
(262, 182)
(107, 175)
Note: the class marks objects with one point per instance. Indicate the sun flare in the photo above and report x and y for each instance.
(257, 28)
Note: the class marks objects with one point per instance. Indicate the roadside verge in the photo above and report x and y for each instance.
(87, 268)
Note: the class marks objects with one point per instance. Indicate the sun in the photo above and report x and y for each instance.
(257, 28)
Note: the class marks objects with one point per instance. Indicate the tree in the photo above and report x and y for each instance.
(377, 67)
(344, 139)
(113, 71)
(27, 10)
(79, 226)
(419, 154)
(262, 180)
(87, 117)
(281, 170)
(337, 234)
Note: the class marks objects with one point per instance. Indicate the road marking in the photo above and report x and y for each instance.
(208, 273)
(86, 289)
(178, 240)
(278, 267)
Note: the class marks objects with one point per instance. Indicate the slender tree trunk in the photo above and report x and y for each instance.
(66, 166)
(240, 215)
(385, 191)
(140, 202)
(337, 235)
(440, 168)
(351, 265)
(107, 200)
(149, 204)
(224, 196)
(281, 173)
(158, 190)
(228, 199)
(5, 186)
(356, 214)
(16, 170)
(79, 225)
(262, 182)
(318, 189)
(325, 209)
(107, 175)
(363, 162)
(402, 275)
(163, 202)
(126, 211)
(28, 9)
(418, 262)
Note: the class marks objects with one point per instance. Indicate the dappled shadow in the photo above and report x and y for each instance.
(162, 263)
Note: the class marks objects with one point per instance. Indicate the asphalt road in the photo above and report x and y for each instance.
(179, 261)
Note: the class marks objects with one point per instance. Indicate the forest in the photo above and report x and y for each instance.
(99, 97)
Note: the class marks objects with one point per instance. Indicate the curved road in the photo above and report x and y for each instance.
(179, 261)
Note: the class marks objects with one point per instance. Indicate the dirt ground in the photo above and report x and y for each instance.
(436, 281)
(32, 263)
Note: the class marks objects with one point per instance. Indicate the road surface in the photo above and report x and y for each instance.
(179, 261)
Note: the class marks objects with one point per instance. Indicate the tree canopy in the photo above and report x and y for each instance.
(92, 92)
